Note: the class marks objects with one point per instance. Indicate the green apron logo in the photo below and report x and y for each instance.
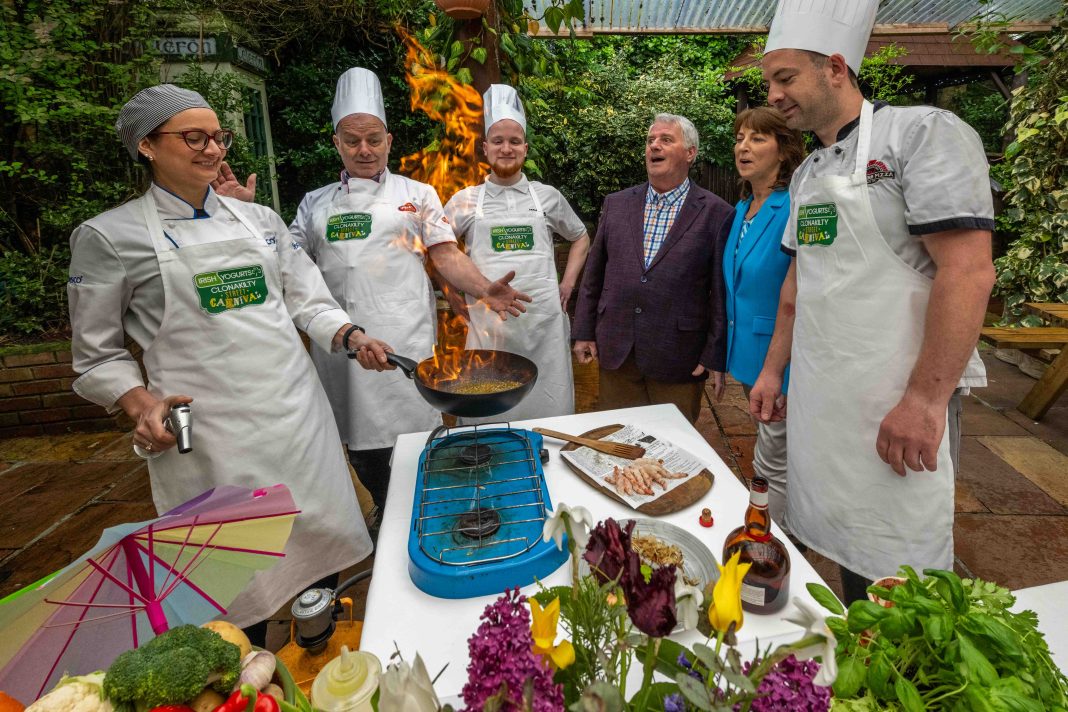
(231, 288)
(817, 224)
(348, 226)
(509, 238)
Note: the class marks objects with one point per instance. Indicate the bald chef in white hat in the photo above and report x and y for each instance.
(890, 225)
(508, 222)
(370, 234)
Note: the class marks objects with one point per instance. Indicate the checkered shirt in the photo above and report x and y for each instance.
(660, 212)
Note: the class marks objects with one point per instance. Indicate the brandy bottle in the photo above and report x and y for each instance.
(766, 587)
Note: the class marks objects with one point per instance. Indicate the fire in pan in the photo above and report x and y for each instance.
(475, 384)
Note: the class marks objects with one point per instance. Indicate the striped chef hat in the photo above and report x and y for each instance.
(150, 108)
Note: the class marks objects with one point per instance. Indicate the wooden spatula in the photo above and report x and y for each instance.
(629, 452)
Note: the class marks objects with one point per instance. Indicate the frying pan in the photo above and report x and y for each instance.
(477, 366)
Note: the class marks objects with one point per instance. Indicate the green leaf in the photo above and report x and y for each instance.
(479, 54)
(694, 692)
(456, 49)
(974, 666)
(667, 657)
(851, 673)
(864, 615)
(997, 633)
(708, 658)
(600, 696)
(949, 586)
(554, 17)
(937, 629)
(898, 623)
(878, 679)
(825, 598)
(908, 696)
(463, 75)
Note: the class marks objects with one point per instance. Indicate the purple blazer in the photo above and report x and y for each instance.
(673, 314)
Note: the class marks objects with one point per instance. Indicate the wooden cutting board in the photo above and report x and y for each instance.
(678, 498)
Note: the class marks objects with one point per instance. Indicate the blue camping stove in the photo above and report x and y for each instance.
(480, 505)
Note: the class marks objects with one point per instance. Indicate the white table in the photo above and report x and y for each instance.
(438, 629)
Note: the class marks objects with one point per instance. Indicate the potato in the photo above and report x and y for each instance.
(232, 634)
(206, 701)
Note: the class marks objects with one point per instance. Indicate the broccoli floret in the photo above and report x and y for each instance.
(173, 668)
(170, 677)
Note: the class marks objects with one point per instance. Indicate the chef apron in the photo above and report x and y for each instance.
(260, 416)
(521, 241)
(368, 261)
(857, 334)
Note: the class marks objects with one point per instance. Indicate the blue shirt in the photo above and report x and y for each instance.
(660, 212)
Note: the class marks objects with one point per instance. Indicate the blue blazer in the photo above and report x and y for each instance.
(753, 278)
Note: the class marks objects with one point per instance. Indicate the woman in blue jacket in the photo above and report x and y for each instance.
(766, 153)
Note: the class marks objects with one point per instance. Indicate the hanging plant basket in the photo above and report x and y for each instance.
(463, 9)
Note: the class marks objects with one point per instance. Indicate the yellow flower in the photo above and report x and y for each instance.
(725, 609)
(543, 628)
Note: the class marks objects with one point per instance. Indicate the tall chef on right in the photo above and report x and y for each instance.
(879, 315)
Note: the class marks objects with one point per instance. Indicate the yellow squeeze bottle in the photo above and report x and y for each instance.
(347, 683)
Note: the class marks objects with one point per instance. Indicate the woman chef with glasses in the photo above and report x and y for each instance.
(211, 289)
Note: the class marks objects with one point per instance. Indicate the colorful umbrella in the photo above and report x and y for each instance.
(138, 581)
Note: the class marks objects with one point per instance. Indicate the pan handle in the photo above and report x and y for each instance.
(405, 364)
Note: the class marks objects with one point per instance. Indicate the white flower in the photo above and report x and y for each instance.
(688, 601)
(555, 526)
(404, 688)
(813, 621)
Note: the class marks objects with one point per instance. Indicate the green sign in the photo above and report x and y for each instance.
(508, 238)
(231, 288)
(348, 226)
(817, 224)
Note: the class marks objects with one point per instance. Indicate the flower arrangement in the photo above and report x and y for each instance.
(573, 647)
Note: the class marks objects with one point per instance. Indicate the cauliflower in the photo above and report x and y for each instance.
(84, 693)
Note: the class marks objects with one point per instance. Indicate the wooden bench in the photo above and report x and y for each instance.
(1049, 388)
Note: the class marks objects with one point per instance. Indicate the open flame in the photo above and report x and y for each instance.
(449, 165)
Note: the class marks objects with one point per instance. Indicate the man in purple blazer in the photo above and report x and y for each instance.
(651, 306)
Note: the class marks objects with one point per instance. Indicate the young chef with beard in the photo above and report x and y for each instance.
(370, 234)
(211, 289)
(508, 223)
(879, 314)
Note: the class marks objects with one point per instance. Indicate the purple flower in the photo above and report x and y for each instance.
(608, 549)
(674, 702)
(501, 658)
(650, 604)
(788, 686)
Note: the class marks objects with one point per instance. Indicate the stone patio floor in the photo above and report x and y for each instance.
(59, 492)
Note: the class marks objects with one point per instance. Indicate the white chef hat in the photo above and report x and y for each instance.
(358, 92)
(502, 102)
(824, 26)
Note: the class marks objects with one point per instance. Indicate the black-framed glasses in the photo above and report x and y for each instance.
(197, 139)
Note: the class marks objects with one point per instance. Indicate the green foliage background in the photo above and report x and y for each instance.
(66, 67)
(587, 127)
(1035, 267)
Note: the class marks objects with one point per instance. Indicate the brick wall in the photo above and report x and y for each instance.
(36, 396)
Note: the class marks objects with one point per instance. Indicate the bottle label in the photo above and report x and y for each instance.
(758, 499)
(753, 595)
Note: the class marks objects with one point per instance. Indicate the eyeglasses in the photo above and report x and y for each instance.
(197, 139)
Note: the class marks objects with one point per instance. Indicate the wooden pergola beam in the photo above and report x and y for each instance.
(879, 31)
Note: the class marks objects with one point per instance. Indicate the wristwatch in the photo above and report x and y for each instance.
(345, 339)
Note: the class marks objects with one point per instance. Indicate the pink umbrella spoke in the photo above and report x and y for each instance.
(97, 619)
(180, 578)
(110, 577)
